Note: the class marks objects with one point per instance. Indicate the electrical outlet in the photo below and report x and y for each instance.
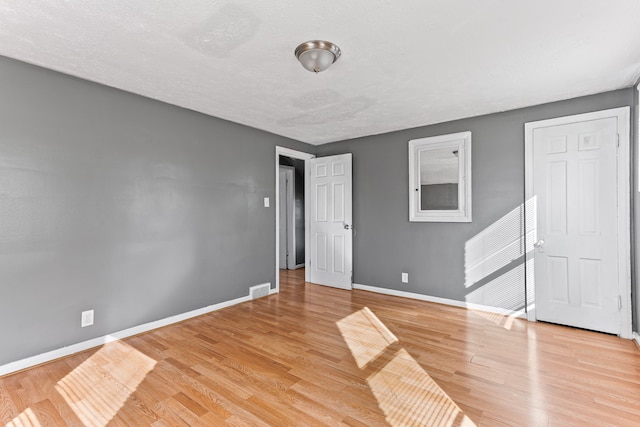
(405, 277)
(266, 202)
(87, 318)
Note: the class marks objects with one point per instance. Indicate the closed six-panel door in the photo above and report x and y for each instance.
(576, 260)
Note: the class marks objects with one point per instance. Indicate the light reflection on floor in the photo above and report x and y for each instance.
(502, 320)
(407, 395)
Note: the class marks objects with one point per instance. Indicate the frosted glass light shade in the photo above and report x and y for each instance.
(317, 55)
(316, 60)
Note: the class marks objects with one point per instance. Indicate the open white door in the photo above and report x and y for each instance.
(329, 252)
(580, 260)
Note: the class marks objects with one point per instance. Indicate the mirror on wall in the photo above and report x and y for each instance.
(440, 178)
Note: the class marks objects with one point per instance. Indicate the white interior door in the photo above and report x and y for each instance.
(329, 192)
(576, 257)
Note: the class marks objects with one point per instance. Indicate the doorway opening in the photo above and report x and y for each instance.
(291, 215)
(291, 228)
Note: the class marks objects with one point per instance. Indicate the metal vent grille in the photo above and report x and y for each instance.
(259, 291)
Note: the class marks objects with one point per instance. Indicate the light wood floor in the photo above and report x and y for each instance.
(320, 356)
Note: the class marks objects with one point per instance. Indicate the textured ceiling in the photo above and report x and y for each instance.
(404, 63)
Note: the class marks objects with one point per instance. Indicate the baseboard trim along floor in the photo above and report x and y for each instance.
(49, 356)
(472, 306)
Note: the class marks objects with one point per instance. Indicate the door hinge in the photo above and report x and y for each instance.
(618, 139)
(619, 302)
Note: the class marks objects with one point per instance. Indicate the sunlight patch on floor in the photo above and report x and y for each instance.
(26, 419)
(100, 386)
(410, 397)
(406, 394)
(366, 336)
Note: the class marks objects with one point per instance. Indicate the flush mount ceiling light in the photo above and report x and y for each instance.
(317, 55)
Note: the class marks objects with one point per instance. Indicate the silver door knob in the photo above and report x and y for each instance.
(539, 244)
(348, 227)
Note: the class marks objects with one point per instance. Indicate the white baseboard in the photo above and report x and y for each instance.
(446, 301)
(636, 338)
(299, 266)
(95, 342)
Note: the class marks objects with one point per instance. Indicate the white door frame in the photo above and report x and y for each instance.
(290, 216)
(294, 154)
(624, 221)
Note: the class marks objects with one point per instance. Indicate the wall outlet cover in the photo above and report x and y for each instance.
(405, 277)
(87, 318)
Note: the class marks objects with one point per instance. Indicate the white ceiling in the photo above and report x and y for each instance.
(404, 63)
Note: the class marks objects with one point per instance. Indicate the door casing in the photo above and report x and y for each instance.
(288, 201)
(294, 154)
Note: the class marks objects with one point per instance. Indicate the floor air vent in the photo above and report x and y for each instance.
(259, 291)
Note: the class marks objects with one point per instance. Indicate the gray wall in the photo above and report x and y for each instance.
(433, 254)
(114, 202)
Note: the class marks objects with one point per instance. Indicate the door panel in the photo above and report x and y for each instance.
(321, 252)
(590, 280)
(557, 191)
(330, 231)
(588, 193)
(558, 279)
(576, 260)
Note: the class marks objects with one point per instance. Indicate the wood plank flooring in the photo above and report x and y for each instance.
(313, 355)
